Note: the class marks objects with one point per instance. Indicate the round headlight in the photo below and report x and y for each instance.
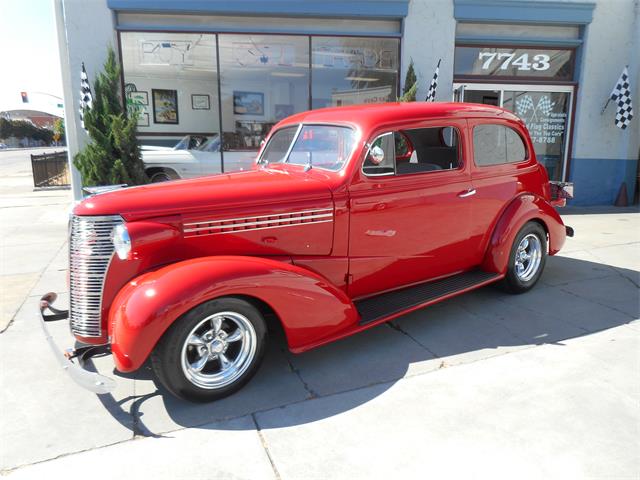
(121, 241)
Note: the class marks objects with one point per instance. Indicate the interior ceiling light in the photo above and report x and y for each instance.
(362, 79)
(287, 74)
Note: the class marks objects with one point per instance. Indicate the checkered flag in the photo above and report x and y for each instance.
(431, 94)
(545, 105)
(524, 104)
(621, 94)
(86, 99)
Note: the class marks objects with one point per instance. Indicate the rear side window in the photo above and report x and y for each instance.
(497, 144)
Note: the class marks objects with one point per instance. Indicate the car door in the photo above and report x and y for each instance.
(409, 221)
(500, 161)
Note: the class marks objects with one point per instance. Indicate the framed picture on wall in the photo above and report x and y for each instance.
(165, 106)
(248, 103)
(138, 97)
(200, 102)
(143, 120)
(283, 111)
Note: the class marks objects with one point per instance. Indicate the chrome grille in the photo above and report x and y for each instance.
(90, 251)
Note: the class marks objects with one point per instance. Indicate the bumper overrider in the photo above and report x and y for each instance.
(73, 361)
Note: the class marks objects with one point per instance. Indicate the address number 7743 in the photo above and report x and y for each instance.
(540, 62)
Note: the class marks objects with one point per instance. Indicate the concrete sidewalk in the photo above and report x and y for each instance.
(487, 385)
(32, 229)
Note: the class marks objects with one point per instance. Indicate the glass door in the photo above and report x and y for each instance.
(545, 109)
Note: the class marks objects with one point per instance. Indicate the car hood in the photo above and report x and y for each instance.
(205, 194)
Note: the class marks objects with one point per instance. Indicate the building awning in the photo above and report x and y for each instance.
(331, 8)
(547, 12)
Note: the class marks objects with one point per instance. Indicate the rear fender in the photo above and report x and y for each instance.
(308, 306)
(522, 209)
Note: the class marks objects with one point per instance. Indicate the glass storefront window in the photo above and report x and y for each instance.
(171, 79)
(348, 70)
(546, 115)
(263, 79)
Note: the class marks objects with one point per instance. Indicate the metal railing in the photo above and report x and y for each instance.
(50, 170)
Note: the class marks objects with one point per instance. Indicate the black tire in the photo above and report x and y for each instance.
(173, 371)
(161, 175)
(518, 283)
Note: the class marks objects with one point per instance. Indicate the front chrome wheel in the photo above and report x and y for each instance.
(218, 350)
(212, 350)
(528, 257)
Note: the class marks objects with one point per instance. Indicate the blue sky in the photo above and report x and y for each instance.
(29, 58)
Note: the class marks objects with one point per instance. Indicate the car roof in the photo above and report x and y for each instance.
(371, 115)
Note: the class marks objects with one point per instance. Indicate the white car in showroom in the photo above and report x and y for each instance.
(192, 156)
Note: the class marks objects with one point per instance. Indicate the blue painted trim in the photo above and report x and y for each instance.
(311, 8)
(597, 180)
(132, 27)
(543, 42)
(535, 11)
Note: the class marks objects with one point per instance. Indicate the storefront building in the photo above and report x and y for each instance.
(227, 71)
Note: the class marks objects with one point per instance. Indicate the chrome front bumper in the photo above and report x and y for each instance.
(73, 360)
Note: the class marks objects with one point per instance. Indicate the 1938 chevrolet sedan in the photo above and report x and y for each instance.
(350, 217)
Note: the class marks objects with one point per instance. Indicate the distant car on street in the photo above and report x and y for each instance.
(3, 146)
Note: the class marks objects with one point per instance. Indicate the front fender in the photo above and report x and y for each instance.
(308, 306)
(522, 209)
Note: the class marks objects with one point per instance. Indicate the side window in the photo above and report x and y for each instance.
(516, 152)
(432, 149)
(497, 144)
(381, 157)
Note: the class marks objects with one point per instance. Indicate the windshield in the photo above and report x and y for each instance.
(211, 145)
(183, 144)
(323, 146)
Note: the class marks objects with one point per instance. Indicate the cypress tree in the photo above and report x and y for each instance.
(112, 156)
(410, 85)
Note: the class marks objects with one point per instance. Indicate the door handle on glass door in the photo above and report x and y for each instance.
(467, 193)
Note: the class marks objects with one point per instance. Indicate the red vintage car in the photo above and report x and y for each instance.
(351, 217)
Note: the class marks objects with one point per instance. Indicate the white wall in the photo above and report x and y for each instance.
(429, 34)
(611, 41)
(85, 29)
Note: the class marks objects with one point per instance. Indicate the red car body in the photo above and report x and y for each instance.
(307, 243)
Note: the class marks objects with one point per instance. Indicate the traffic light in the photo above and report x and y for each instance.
(25, 98)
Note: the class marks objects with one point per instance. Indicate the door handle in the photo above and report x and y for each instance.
(467, 193)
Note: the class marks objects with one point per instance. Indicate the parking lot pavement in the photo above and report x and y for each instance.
(486, 385)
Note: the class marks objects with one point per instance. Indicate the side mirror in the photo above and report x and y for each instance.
(376, 155)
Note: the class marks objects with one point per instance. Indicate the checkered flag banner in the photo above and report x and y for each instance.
(545, 105)
(86, 99)
(431, 94)
(524, 104)
(621, 94)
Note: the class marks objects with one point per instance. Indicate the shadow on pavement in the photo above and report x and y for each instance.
(573, 298)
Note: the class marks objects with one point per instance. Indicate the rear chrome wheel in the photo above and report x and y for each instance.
(212, 350)
(527, 258)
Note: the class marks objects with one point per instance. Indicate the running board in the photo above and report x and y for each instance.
(376, 308)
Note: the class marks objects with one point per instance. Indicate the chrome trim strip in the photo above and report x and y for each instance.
(259, 228)
(300, 212)
(298, 218)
